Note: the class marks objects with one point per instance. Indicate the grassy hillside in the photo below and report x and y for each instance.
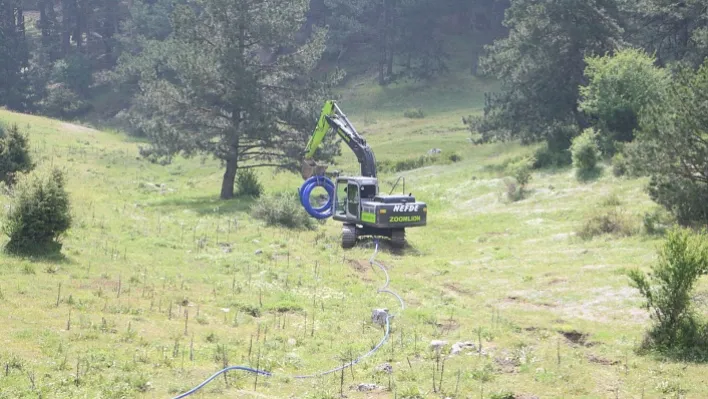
(162, 284)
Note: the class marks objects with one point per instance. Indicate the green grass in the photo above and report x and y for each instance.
(514, 275)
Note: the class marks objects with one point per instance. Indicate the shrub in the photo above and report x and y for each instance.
(39, 213)
(621, 87)
(657, 221)
(548, 158)
(414, 113)
(283, 210)
(613, 222)
(684, 198)
(248, 184)
(671, 147)
(454, 157)
(62, 102)
(620, 165)
(683, 259)
(14, 155)
(586, 154)
(521, 173)
(521, 170)
(514, 192)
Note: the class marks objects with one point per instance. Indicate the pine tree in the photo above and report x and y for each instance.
(230, 89)
(14, 56)
(541, 65)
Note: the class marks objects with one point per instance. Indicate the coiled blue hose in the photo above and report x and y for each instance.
(325, 211)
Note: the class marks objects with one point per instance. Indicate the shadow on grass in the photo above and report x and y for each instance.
(207, 205)
(588, 176)
(51, 254)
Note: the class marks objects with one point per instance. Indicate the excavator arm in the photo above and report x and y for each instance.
(332, 118)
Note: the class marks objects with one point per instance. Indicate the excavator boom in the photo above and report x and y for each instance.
(332, 118)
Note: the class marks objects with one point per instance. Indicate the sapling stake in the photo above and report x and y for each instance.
(258, 366)
(186, 321)
(68, 321)
(191, 348)
(442, 371)
(341, 383)
(119, 284)
(58, 294)
(250, 347)
(76, 381)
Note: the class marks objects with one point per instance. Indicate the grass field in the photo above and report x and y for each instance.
(161, 284)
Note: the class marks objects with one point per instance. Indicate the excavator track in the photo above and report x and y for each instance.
(348, 236)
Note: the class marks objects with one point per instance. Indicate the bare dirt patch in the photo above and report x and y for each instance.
(457, 288)
(575, 337)
(359, 265)
(602, 360)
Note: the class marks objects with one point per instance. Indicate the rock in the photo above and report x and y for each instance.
(434, 151)
(379, 316)
(385, 368)
(437, 345)
(366, 387)
(259, 251)
(292, 342)
(458, 347)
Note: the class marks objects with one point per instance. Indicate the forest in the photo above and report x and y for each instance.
(242, 79)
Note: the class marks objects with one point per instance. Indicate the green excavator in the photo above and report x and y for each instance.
(356, 200)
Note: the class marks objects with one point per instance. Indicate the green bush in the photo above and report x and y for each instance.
(414, 113)
(283, 210)
(613, 222)
(657, 221)
(454, 157)
(39, 213)
(621, 87)
(62, 102)
(520, 171)
(74, 71)
(684, 198)
(248, 185)
(683, 259)
(548, 158)
(586, 154)
(14, 155)
(620, 166)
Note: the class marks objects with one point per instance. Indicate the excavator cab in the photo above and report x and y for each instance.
(350, 193)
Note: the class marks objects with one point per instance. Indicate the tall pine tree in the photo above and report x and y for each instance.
(14, 57)
(541, 65)
(227, 88)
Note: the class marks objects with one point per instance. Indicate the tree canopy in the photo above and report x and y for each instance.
(235, 85)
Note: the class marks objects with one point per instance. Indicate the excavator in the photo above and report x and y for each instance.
(356, 201)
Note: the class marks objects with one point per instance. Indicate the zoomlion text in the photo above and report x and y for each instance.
(404, 219)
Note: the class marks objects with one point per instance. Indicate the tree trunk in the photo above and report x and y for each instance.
(383, 37)
(227, 185)
(390, 37)
(474, 68)
(66, 27)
